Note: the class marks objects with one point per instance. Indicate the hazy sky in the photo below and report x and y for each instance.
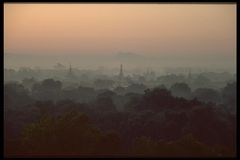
(147, 29)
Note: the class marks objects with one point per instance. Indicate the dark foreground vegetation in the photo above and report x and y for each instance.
(47, 120)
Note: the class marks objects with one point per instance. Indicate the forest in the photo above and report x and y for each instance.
(44, 118)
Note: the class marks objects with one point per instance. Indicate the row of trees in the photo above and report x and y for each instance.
(50, 89)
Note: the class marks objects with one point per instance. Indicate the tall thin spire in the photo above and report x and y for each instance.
(121, 75)
(70, 73)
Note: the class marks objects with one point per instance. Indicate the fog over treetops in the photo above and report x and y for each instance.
(158, 63)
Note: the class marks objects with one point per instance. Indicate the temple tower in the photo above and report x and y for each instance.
(121, 76)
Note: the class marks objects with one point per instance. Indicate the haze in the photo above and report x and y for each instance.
(92, 35)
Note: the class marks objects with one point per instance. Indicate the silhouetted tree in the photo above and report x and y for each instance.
(181, 90)
(15, 95)
(71, 133)
(229, 95)
(48, 89)
(207, 95)
(103, 103)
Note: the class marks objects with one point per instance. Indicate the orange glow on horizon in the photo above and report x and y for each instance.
(109, 28)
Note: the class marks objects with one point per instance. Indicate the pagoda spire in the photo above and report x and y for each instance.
(121, 75)
(70, 72)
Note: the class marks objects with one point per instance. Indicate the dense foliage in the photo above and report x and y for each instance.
(49, 120)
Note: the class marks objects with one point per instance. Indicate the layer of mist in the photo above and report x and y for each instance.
(131, 61)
